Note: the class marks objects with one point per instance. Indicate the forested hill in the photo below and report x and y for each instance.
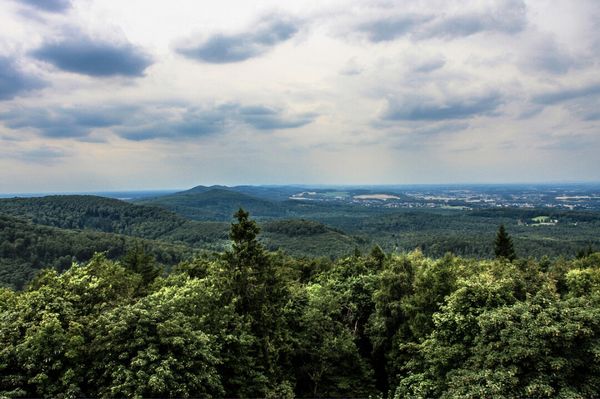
(93, 213)
(55, 231)
(25, 248)
(81, 212)
(214, 203)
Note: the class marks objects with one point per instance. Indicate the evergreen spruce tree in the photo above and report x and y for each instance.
(377, 256)
(260, 295)
(503, 246)
(583, 253)
(141, 262)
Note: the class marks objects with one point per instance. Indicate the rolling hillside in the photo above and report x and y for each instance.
(26, 247)
(55, 231)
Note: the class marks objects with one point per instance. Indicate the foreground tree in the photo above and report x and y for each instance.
(259, 294)
(503, 246)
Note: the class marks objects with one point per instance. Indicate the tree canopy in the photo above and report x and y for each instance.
(252, 323)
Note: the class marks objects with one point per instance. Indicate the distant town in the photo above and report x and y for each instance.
(571, 197)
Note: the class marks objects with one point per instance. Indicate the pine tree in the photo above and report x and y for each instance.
(260, 294)
(138, 261)
(377, 256)
(583, 253)
(503, 246)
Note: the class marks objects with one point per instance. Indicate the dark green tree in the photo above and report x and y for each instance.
(503, 246)
(141, 262)
(377, 257)
(259, 294)
(582, 253)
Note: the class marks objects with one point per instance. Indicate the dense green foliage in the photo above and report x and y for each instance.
(252, 323)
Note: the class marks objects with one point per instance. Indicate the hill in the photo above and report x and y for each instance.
(308, 238)
(25, 248)
(54, 231)
(93, 213)
(217, 204)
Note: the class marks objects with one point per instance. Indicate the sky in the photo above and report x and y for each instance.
(142, 94)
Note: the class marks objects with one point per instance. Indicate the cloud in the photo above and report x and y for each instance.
(429, 109)
(429, 64)
(558, 96)
(265, 118)
(44, 155)
(544, 54)
(223, 48)
(508, 17)
(571, 142)
(423, 136)
(94, 58)
(14, 82)
(391, 28)
(60, 122)
(352, 68)
(190, 124)
(55, 6)
(194, 123)
(150, 122)
(592, 115)
(441, 129)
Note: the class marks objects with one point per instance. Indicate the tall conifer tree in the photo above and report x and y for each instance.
(503, 245)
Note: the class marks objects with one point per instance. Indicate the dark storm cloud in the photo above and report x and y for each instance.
(427, 109)
(558, 96)
(222, 48)
(75, 123)
(56, 6)
(13, 81)
(508, 17)
(94, 58)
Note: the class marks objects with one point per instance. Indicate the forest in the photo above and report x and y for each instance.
(55, 231)
(249, 322)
